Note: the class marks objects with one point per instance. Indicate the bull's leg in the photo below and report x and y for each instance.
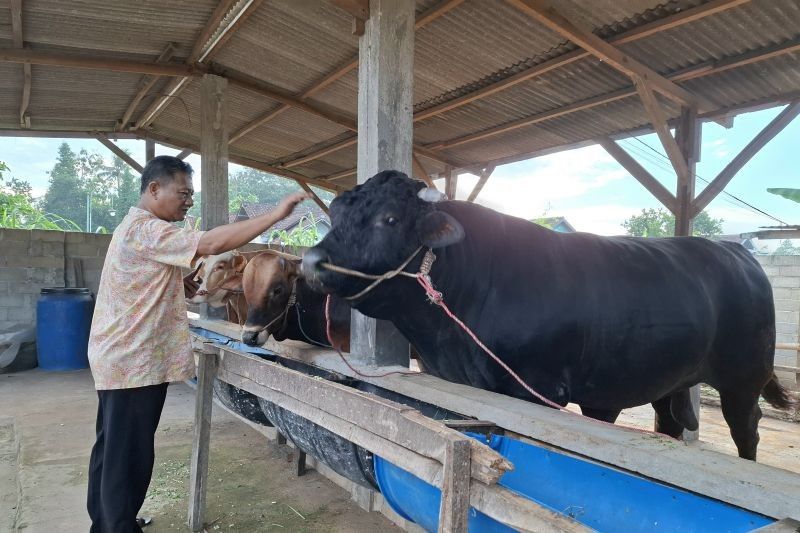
(681, 408)
(742, 413)
(606, 415)
(665, 422)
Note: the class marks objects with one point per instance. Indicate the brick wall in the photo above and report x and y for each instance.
(784, 275)
(30, 260)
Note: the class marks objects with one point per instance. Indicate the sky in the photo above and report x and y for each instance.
(585, 185)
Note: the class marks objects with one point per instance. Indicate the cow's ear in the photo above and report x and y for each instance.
(233, 283)
(239, 262)
(437, 229)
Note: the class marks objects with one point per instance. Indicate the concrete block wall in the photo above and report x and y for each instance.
(784, 275)
(33, 259)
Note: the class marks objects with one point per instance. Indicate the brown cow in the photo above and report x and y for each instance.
(220, 279)
(280, 303)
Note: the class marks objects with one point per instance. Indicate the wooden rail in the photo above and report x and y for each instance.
(465, 469)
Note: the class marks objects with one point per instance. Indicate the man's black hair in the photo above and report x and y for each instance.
(163, 170)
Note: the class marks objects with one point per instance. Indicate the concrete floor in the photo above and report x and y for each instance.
(47, 431)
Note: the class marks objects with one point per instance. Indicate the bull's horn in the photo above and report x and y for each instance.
(431, 194)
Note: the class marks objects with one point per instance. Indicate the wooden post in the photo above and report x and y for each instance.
(385, 139)
(450, 183)
(454, 506)
(206, 372)
(149, 150)
(687, 136)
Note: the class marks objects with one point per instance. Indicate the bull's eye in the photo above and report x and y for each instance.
(277, 290)
(391, 221)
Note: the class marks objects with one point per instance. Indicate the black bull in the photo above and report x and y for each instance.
(604, 322)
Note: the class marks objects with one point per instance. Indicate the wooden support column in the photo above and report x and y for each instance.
(206, 373)
(385, 139)
(149, 150)
(119, 152)
(214, 151)
(450, 183)
(687, 137)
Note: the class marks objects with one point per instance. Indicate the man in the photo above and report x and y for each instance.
(139, 340)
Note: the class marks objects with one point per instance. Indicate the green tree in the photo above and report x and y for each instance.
(65, 196)
(786, 248)
(661, 223)
(17, 209)
(122, 187)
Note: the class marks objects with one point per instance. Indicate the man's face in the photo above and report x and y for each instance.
(173, 198)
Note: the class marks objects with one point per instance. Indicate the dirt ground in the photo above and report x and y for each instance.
(46, 434)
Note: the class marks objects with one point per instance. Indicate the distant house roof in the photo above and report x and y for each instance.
(251, 210)
(559, 224)
(747, 242)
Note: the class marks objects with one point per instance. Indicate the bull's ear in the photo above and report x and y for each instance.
(233, 283)
(437, 229)
(239, 262)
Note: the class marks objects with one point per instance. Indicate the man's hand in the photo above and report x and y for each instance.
(288, 204)
(190, 286)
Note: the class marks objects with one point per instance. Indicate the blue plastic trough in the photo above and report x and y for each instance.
(598, 496)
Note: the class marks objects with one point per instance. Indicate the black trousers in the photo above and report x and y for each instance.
(123, 456)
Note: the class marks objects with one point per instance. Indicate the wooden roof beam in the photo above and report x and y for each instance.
(544, 13)
(340, 175)
(697, 71)
(19, 43)
(8, 55)
(119, 152)
(419, 171)
(484, 176)
(317, 200)
(753, 147)
(659, 122)
(220, 27)
(358, 9)
(297, 161)
(636, 170)
(673, 21)
(146, 84)
(434, 12)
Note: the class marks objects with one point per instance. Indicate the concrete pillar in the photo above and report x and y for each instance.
(385, 138)
(214, 151)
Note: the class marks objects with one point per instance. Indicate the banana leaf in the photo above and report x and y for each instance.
(789, 194)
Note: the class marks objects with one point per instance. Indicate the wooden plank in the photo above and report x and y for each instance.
(339, 175)
(483, 178)
(638, 171)
(753, 486)
(146, 85)
(355, 8)
(787, 525)
(19, 43)
(119, 152)
(419, 171)
(223, 35)
(454, 506)
(543, 12)
(198, 478)
(494, 501)
(9, 55)
(450, 183)
(683, 17)
(183, 154)
(317, 200)
(214, 151)
(322, 152)
(753, 147)
(211, 25)
(659, 123)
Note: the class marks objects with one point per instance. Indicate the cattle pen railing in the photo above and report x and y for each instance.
(756, 487)
(787, 368)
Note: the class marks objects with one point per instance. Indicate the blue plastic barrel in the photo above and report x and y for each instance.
(63, 320)
(600, 497)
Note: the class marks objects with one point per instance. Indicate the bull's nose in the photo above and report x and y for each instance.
(250, 338)
(311, 261)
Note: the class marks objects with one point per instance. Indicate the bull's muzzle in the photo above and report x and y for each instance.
(311, 266)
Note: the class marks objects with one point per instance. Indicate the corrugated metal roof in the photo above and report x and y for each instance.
(293, 45)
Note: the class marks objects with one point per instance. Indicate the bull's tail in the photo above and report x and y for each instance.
(777, 395)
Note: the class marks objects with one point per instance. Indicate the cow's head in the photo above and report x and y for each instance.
(217, 276)
(375, 228)
(268, 283)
